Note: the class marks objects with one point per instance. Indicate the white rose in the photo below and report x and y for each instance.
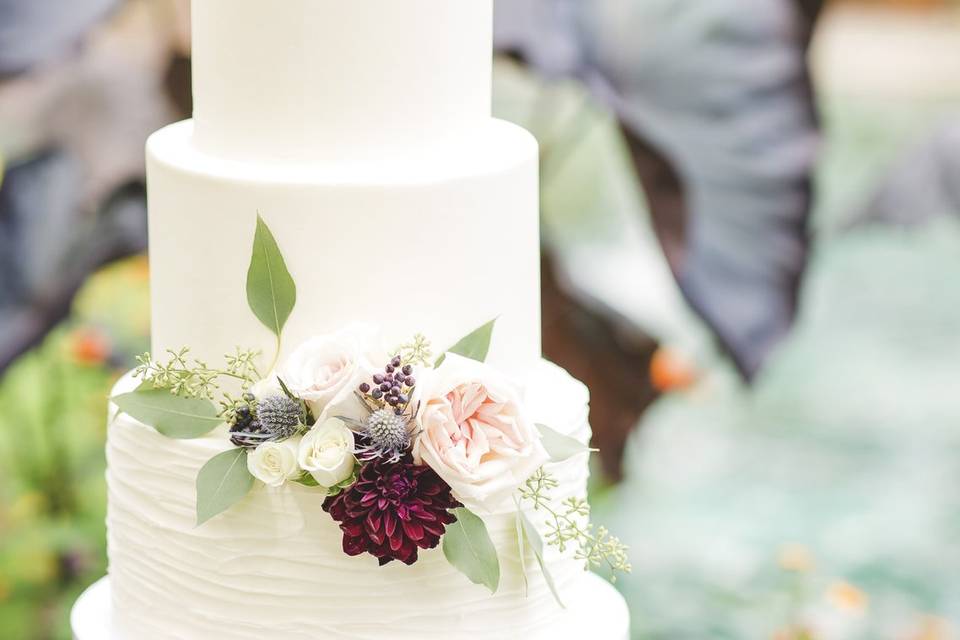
(326, 370)
(273, 463)
(326, 452)
(267, 387)
(475, 433)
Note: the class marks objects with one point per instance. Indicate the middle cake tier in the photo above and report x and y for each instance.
(434, 245)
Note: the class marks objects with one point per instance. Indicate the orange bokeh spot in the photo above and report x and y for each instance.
(90, 346)
(670, 371)
(140, 267)
(847, 597)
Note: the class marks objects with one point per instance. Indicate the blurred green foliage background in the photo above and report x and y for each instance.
(52, 432)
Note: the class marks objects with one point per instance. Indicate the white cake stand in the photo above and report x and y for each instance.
(90, 617)
(597, 612)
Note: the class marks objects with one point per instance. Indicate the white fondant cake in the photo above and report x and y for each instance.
(456, 236)
(361, 132)
(341, 84)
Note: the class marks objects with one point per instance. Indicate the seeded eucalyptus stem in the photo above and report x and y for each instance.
(192, 378)
(418, 351)
(571, 527)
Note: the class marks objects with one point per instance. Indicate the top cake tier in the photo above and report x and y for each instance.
(338, 81)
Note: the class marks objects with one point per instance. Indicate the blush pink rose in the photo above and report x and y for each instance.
(475, 433)
(325, 370)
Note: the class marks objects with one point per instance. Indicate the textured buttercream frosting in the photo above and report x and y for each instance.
(272, 567)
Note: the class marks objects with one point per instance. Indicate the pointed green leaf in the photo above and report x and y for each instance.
(271, 292)
(286, 389)
(522, 548)
(536, 543)
(221, 483)
(468, 547)
(475, 346)
(558, 446)
(172, 416)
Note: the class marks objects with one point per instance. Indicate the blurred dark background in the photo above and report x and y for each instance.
(750, 239)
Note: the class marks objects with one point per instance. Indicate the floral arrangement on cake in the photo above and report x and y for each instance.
(407, 450)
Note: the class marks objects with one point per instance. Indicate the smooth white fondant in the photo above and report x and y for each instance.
(438, 246)
(597, 611)
(272, 567)
(339, 82)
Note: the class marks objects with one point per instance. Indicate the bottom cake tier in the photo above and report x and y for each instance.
(598, 612)
(273, 567)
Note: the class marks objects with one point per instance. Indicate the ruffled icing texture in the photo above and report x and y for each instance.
(272, 567)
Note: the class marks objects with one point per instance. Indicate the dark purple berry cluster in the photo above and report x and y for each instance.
(393, 386)
(246, 431)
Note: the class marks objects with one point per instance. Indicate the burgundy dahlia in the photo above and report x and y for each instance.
(394, 509)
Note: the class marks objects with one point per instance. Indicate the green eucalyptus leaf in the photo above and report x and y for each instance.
(522, 549)
(560, 447)
(468, 547)
(172, 416)
(536, 543)
(475, 346)
(222, 483)
(271, 292)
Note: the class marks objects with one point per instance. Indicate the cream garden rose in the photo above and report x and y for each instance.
(474, 433)
(326, 453)
(269, 386)
(326, 370)
(273, 463)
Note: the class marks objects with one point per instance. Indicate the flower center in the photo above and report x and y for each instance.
(328, 374)
(387, 430)
(397, 487)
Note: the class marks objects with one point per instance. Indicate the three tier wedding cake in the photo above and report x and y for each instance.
(345, 428)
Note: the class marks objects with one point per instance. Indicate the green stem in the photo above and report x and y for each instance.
(227, 374)
(276, 356)
(563, 521)
(218, 372)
